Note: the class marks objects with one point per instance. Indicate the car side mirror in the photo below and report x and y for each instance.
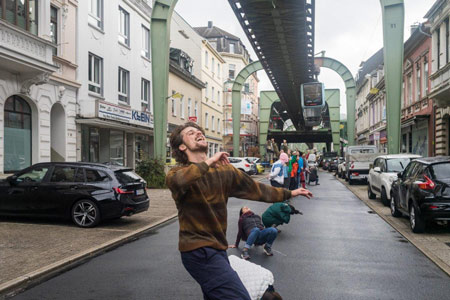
(11, 179)
(377, 169)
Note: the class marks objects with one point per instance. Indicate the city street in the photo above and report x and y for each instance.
(339, 249)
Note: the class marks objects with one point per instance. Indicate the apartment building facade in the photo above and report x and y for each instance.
(115, 117)
(38, 85)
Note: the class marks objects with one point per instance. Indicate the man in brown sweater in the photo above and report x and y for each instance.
(200, 187)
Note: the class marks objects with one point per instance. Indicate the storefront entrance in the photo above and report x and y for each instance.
(17, 134)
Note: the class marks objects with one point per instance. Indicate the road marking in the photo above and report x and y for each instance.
(279, 252)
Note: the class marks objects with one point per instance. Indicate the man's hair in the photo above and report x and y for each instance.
(240, 212)
(176, 139)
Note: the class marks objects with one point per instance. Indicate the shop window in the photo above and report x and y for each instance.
(95, 74)
(94, 145)
(54, 27)
(142, 149)
(145, 95)
(21, 13)
(124, 85)
(124, 26)
(95, 16)
(116, 140)
(17, 134)
(145, 42)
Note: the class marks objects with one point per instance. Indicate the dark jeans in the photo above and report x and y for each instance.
(211, 269)
(261, 236)
(287, 180)
(275, 183)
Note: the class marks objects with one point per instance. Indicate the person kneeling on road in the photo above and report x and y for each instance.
(252, 231)
(279, 214)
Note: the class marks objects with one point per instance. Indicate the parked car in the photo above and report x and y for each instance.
(333, 165)
(384, 173)
(422, 192)
(336, 164)
(257, 161)
(243, 164)
(358, 160)
(87, 193)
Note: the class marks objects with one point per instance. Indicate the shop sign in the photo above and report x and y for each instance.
(377, 136)
(123, 114)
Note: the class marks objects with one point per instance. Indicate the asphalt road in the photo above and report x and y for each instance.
(336, 250)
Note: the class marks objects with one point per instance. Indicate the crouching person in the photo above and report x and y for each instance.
(252, 231)
(278, 214)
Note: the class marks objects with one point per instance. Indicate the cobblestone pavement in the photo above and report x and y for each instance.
(434, 243)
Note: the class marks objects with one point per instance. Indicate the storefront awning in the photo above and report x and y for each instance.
(115, 125)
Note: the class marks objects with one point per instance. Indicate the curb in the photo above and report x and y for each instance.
(15, 286)
(407, 235)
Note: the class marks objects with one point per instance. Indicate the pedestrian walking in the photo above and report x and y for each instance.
(200, 187)
(293, 167)
(252, 231)
(276, 175)
(278, 214)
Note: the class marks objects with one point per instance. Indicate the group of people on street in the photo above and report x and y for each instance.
(292, 170)
(200, 187)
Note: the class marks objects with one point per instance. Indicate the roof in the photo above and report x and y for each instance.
(434, 159)
(400, 155)
(85, 164)
(368, 66)
(214, 32)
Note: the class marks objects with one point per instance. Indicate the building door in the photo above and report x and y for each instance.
(17, 140)
(58, 133)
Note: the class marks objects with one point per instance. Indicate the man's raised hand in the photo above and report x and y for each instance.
(302, 192)
(220, 158)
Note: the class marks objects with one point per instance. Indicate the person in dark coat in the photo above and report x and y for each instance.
(278, 214)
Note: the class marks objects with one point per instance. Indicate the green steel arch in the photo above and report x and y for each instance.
(236, 100)
(160, 38)
(350, 85)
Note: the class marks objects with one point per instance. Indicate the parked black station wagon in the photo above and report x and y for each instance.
(422, 192)
(85, 192)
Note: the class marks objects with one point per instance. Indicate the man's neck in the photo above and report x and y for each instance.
(196, 157)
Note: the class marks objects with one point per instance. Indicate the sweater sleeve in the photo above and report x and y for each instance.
(244, 187)
(179, 179)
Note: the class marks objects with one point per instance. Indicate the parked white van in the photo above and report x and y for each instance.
(358, 160)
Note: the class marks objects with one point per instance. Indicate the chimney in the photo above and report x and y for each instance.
(414, 27)
(210, 24)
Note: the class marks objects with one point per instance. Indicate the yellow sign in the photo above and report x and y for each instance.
(341, 126)
(177, 95)
(374, 91)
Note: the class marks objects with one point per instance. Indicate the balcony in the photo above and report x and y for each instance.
(440, 86)
(24, 53)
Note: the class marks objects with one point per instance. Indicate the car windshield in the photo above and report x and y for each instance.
(127, 176)
(441, 171)
(397, 164)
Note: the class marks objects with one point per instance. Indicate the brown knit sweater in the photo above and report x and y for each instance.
(201, 195)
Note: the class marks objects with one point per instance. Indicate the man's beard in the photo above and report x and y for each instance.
(199, 148)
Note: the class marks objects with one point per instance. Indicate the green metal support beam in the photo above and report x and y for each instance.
(333, 98)
(393, 12)
(350, 86)
(266, 100)
(160, 39)
(236, 100)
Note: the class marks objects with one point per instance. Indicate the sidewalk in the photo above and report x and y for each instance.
(32, 250)
(434, 243)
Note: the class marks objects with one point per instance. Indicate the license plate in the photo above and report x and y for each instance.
(140, 192)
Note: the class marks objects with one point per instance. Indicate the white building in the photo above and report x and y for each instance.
(37, 82)
(114, 121)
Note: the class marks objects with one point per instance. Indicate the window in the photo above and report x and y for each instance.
(206, 58)
(145, 42)
(189, 107)
(216, 148)
(67, 174)
(95, 75)
(446, 39)
(425, 77)
(410, 89)
(206, 90)
(418, 83)
(195, 109)
(438, 48)
(124, 26)
(213, 124)
(174, 105)
(182, 107)
(54, 27)
(218, 125)
(218, 97)
(218, 70)
(145, 95)
(206, 120)
(231, 70)
(116, 147)
(232, 50)
(36, 174)
(96, 176)
(124, 86)
(212, 64)
(212, 94)
(96, 13)
(21, 13)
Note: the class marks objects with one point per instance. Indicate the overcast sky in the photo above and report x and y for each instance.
(348, 30)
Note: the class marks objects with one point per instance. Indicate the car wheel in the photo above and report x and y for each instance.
(384, 198)
(394, 210)
(415, 220)
(85, 213)
(370, 194)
